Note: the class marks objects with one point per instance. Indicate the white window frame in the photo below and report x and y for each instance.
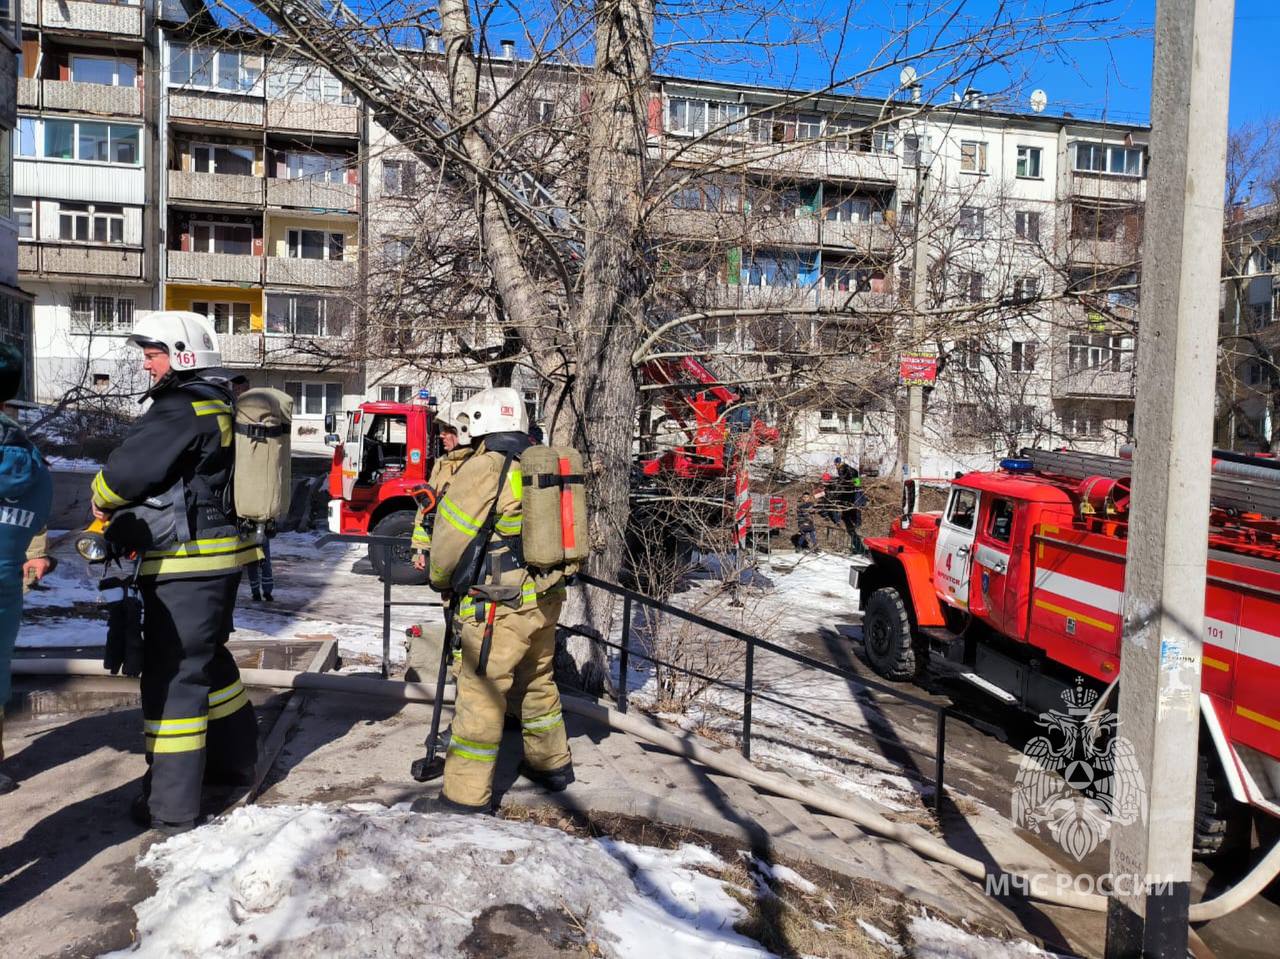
(40, 127)
(1022, 226)
(400, 393)
(293, 242)
(725, 117)
(249, 68)
(88, 311)
(979, 157)
(1026, 287)
(1077, 415)
(30, 206)
(396, 169)
(212, 149)
(331, 173)
(829, 421)
(116, 63)
(209, 309)
(970, 356)
(1022, 356)
(92, 214)
(299, 390)
(327, 326)
(1109, 151)
(1028, 156)
(972, 222)
(214, 226)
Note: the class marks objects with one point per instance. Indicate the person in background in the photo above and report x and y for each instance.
(807, 538)
(27, 489)
(262, 579)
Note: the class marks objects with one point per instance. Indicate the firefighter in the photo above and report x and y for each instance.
(198, 722)
(457, 449)
(517, 609)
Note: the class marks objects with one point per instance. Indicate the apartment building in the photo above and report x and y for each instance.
(15, 304)
(156, 168)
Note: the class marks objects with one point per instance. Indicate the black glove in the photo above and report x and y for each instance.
(124, 637)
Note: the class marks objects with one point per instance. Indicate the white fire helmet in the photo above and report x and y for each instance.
(499, 409)
(188, 337)
(451, 414)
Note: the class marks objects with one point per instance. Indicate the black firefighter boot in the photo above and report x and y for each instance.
(552, 780)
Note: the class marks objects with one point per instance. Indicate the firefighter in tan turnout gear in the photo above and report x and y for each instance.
(507, 612)
(165, 492)
(456, 443)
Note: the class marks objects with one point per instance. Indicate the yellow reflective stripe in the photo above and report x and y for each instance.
(175, 727)
(105, 495)
(211, 407)
(516, 480)
(509, 525)
(457, 517)
(226, 434)
(480, 752)
(204, 547)
(175, 744)
(467, 531)
(540, 724)
(225, 693)
(529, 592)
(157, 565)
(420, 535)
(223, 710)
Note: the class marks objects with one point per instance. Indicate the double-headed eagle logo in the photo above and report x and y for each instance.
(1079, 777)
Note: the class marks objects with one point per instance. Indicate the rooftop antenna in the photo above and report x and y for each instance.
(1039, 100)
(910, 80)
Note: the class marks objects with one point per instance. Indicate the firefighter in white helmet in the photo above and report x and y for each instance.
(507, 614)
(198, 721)
(455, 441)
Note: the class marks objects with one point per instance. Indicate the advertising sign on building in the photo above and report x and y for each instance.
(918, 369)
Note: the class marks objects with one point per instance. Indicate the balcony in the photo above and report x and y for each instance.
(75, 259)
(1099, 186)
(215, 109)
(28, 92)
(215, 187)
(307, 116)
(214, 267)
(819, 162)
(1104, 252)
(119, 19)
(711, 225)
(241, 349)
(1093, 384)
(98, 98)
(288, 271)
(312, 194)
(863, 237)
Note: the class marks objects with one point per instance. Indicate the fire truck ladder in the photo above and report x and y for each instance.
(1256, 493)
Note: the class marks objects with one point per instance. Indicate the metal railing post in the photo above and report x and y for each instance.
(624, 661)
(940, 762)
(747, 688)
(386, 626)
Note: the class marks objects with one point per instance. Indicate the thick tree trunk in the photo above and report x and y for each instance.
(610, 312)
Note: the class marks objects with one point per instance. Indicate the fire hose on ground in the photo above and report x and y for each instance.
(859, 813)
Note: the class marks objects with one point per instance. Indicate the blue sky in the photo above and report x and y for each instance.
(1097, 78)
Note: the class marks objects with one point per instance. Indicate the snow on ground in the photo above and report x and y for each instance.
(77, 464)
(934, 939)
(310, 881)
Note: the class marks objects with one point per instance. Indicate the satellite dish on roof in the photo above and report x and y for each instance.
(1039, 100)
(908, 76)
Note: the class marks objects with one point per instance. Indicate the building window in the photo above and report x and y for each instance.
(1024, 356)
(82, 140)
(970, 285)
(232, 239)
(973, 156)
(1026, 288)
(108, 71)
(24, 214)
(972, 219)
(690, 117)
(395, 394)
(1080, 420)
(397, 249)
(828, 421)
(398, 177)
(1108, 158)
(530, 398)
(968, 355)
(857, 139)
(1024, 418)
(541, 111)
(322, 167)
(6, 176)
(90, 223)
(101, 314)
(316, 245)
(217, 68)
(301, 80)
(101, 382)
(967, 420)
(27, 137)
(222, 158)
(1029, 162)
(300, 314)
(1026, 225)
(1102, 352)
(779, 269)
(225, 317)
(852, 209)
(463, 393)
(314, 399)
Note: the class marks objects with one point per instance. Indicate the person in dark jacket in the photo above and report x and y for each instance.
(199, 724)
(807, 535)
(26, 492)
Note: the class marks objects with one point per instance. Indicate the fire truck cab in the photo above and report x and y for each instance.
(1019, 579)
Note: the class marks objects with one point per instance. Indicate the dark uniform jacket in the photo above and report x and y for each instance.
(180, 451)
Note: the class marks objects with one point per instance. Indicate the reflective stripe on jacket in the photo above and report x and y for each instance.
(442, 474)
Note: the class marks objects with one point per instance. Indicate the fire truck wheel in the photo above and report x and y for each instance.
(400, 571)
(1221, 824)
(886, 635)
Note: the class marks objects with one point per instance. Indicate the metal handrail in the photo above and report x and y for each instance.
(746, 688)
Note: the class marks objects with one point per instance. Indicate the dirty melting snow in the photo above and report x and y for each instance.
(371, 881)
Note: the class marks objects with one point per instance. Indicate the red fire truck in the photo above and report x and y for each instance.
(1020, 577)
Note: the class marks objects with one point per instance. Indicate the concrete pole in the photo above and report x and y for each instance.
(919, 301)
(1168, 533)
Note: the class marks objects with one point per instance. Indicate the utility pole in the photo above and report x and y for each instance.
(919, 301)
(1164, 593)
